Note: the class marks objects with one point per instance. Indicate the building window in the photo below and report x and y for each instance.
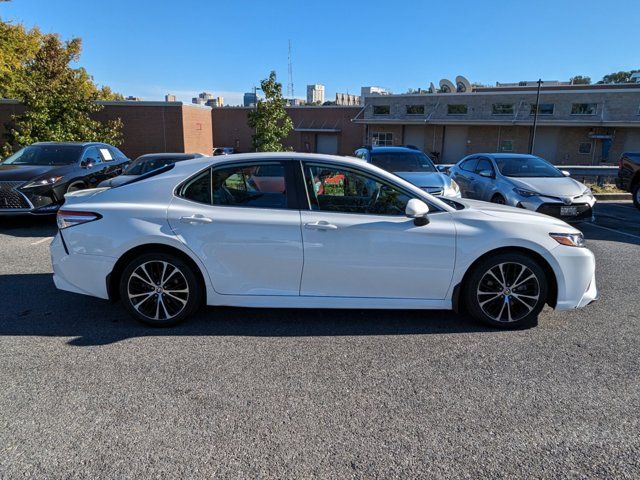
(543, 109)
(584, 108)
(381, 109)
(415, 109)
(502, 109)
(585, 148)
(506, 146)
(382, 139)
(456, 109)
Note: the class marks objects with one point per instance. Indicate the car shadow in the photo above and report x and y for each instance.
(28, 225)
(37, 308)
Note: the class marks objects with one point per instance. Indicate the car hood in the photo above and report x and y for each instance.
(30, 172)
(117, 181)
(554, 187)
(508, 213)
(425, 179)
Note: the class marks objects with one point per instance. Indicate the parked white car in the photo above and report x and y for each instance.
(312, 231)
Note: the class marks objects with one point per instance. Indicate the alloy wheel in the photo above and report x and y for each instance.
(508, 292)
(158, 290)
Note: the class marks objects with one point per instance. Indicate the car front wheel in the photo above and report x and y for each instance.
(636, 195)
(507, 290)
(159, 289)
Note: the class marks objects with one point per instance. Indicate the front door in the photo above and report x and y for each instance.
(359, 243)
(241, 222)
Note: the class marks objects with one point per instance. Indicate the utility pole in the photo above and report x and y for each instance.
(532, 136)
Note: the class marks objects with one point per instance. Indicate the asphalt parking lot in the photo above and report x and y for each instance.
(238, 393)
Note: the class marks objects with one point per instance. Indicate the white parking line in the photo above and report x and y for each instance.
(42, 240)
(613, 230)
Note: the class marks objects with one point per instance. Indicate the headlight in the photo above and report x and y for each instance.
(569, 239)
(42, 183)
(525, 193)
(454, 186)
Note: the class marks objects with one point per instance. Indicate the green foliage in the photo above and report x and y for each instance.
(17, 46)
(106, 94)
(270, 119)
(618, 77)
(59, 100)
(580, 80)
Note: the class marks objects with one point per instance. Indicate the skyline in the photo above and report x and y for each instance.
(146, 50)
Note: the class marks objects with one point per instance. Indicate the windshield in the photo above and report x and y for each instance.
(527, 167)
(145, 165)
(403, 162)
(45, 155)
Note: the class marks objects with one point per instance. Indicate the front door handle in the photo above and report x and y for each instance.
(322, 225)
(196, 219)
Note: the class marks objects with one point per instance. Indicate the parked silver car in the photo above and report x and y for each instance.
(523, 181)
(412, 165)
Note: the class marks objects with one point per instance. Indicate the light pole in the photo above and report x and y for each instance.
(532, 137)
(255, 107)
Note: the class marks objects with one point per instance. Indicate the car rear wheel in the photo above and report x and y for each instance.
(159, 289)
(507, 290)
(636, 195)
(497, 198)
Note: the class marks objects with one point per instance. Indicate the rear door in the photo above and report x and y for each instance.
(463, 175)
(242, 221)
(482, 187)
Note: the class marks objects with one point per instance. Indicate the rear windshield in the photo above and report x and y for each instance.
(45, 155)
(527, 167)
(403, 162)
(141, 166)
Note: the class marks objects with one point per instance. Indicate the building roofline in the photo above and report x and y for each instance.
(489, 123)
(507, 91)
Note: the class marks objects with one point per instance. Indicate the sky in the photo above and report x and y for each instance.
(149, 48)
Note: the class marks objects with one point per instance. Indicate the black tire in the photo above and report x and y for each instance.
(635, 193)
(494, 301)
(499, 199)
(75, 186)
(153, 301)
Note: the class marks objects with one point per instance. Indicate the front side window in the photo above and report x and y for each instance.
(255, 186)
(381, 109)
(502, 109)
(342, 190)
(484, 165)
(92, 154)
(382, 139)
(584, 108)
(456, 109)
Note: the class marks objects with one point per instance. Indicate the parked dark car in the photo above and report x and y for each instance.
(147, 163)
(224, 151)
(35, 178)
(629, 175)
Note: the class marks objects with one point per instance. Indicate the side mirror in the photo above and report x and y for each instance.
(417, 210)
(566, 173)
(87, 163)
(442, 168)
(486, 173)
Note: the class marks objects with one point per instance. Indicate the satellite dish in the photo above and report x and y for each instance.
(446, 86)
(462, 84)
(432, 88)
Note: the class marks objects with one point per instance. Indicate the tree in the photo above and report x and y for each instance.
(618, 77)
(17, 46)
(106, 94)
(59, 100)
(580, 80)
(270, 119)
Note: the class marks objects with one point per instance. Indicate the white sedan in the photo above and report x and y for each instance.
(312, 231)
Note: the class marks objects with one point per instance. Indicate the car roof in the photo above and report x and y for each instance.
(504, 155)
(79, 144)
(394, 150)
(186, 156)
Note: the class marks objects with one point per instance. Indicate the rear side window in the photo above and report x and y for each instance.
(198, 189)
(469, 165)
(256, 186)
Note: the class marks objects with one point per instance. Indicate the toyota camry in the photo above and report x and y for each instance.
(312, 231)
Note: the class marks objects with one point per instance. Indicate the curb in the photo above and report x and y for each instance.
(613, 196)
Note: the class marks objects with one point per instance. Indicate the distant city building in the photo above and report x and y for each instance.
(131, 98)
(215, 102)
(315, 93)
(202, 98)
(346, 99)
(250, 99)
(169, 98)
(532, 83)
(293, 102)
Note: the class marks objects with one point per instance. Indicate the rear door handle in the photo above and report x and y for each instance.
(322, 225)
(196, 219)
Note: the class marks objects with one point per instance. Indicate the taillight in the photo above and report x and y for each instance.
(69, 218)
